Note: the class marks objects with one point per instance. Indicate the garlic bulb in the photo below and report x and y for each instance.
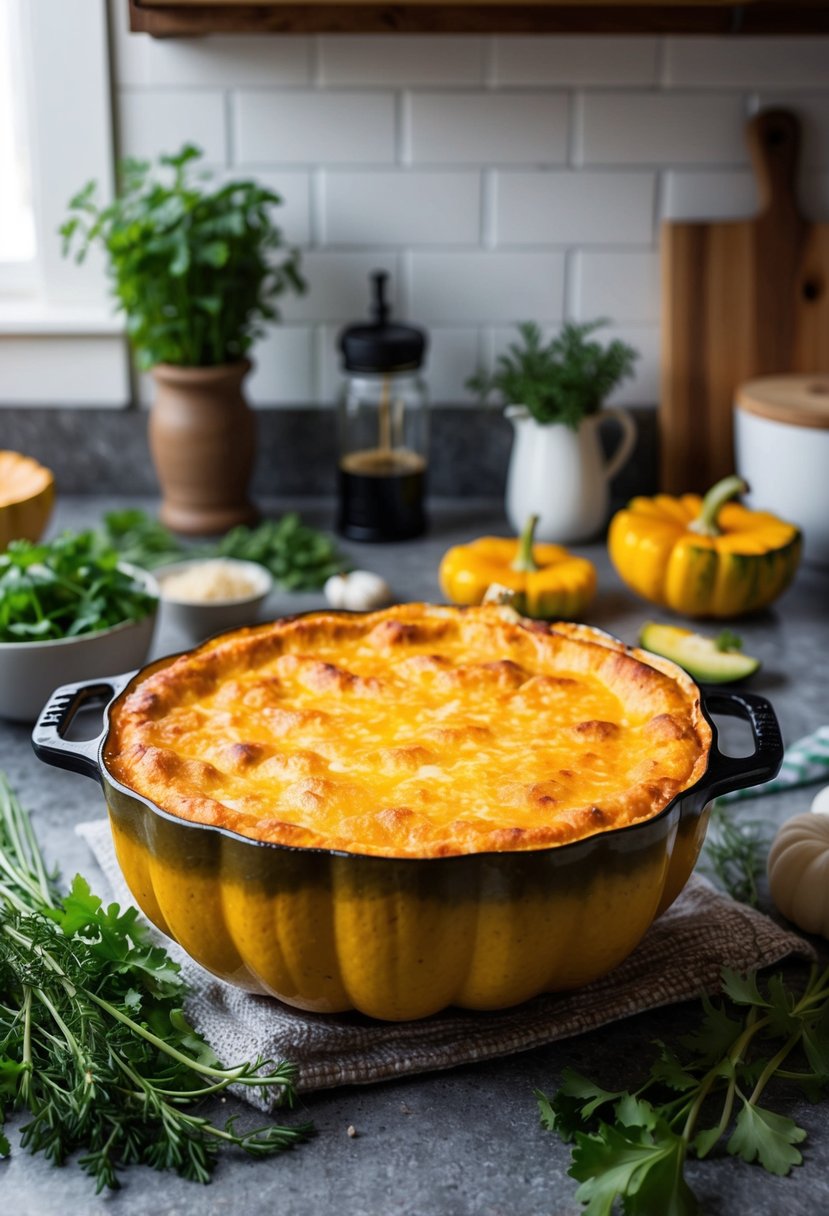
(359, 591)
(798, 868)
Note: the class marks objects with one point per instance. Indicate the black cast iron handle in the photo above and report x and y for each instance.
(727, 773)
(78, 756)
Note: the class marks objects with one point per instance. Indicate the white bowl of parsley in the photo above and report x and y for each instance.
(70, 610)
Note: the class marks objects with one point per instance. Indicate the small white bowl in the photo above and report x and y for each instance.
(200, 619)
(31, 671)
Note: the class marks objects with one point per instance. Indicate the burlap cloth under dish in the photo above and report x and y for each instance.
(680, 957)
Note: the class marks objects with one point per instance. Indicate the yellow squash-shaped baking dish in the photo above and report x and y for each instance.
(401, 938)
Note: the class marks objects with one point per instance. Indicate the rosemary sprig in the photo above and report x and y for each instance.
(93, 1040)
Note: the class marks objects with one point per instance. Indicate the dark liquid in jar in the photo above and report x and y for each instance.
(381, 495)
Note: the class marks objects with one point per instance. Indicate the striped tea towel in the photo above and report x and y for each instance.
(804, 762)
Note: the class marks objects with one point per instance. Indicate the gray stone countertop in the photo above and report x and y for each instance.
(465, 1142)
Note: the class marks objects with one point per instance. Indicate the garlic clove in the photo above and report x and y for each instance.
(359, 591)
(334, 590)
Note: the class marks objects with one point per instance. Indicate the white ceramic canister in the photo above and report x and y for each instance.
(781, 426)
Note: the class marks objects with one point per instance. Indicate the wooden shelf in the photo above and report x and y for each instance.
(181, 18)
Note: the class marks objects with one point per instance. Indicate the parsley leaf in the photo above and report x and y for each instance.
(760, 1032)
(69, 587)
(767, 1137)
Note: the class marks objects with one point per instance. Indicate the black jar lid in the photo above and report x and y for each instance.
(383, 346)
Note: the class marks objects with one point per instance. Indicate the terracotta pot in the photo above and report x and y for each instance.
(202, 442)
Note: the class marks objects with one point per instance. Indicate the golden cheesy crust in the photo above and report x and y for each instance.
(419, 731)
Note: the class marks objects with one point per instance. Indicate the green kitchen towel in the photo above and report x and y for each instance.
(804, 762)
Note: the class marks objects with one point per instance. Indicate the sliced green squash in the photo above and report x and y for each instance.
(710, 660)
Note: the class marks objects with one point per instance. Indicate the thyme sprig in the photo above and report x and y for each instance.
(93, 1041)
(735, 853)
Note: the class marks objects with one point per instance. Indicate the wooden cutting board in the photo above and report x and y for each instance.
(740, 299)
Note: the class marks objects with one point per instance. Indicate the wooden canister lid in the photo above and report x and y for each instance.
(797, 400)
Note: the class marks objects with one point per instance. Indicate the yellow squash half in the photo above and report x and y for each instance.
(704, 556)
(547, 581)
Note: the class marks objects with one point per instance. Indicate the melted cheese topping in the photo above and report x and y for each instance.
(419, 731)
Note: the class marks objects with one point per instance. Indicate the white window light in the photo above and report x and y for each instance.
(60, 120)
(17, 218)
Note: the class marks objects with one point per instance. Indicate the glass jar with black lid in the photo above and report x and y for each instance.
(383, 426)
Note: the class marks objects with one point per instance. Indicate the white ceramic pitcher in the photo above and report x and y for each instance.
(560, 474)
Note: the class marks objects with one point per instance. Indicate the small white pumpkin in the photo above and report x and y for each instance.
(798, 869)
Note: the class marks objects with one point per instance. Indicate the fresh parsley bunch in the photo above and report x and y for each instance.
(563, 380)
(632, 1146)
(93, 1041)
(69, 587)
(299, 557)
(197, 271)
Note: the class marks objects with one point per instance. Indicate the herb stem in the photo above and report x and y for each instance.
(773, 1064)
(237, 1076)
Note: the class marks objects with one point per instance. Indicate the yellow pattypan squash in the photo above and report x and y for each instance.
(704, 556)
(545, 581)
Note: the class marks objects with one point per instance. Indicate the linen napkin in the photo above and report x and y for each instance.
(803, 763)
(679, 958)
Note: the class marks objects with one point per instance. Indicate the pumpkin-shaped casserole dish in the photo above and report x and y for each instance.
(398, 811)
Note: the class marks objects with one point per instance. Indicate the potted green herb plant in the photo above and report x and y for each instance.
(197, 272)
(554, 394)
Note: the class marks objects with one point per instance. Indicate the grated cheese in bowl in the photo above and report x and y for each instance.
(210, 582)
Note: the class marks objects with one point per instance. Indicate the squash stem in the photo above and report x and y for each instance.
(706, 522)
(524, 560)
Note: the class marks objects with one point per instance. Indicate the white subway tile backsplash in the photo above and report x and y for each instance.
(314, 127)
(329, 364)
(661, 129)
(478, 128)
(338, 286)
(162, 120)
(813, 111)
(458, 288)
(401, 208)
(643, 388)
(619, 286)
(726, 194)
(496, 179)
(574, 60)
(734, 195)
(452, 356)
(567, 208)
(236, 59)
(388, 59)
(727, 62)
(283, 367)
